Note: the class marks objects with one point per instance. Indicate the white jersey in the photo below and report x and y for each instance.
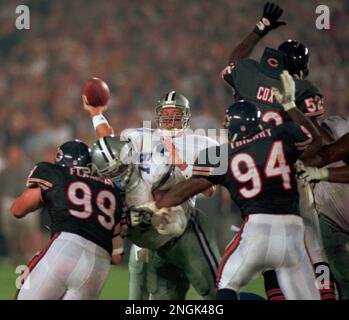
(155, 171)
(332, 198)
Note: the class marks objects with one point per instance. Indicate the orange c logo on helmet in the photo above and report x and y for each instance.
(273, 62)
(59, 155)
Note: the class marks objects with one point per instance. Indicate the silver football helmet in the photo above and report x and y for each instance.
(112, 159)
(172, 112)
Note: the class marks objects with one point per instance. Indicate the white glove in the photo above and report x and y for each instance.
(173, 223)
(312, 174)
(148, 206)
(287, 97)
(151, 208)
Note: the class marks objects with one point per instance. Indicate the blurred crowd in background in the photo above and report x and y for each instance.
(142, 49)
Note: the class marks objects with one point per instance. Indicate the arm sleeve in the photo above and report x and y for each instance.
(134, 136)
(210, 165)
(44, 176)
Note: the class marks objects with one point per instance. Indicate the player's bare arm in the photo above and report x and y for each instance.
(29, 201)
(329, 153)
(340, 174)
(207, 193)
(173, 197)
(183, 191)
(101, 125)
(268, 22)
(245, 48)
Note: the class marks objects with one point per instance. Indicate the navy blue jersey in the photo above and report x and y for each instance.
(251, 83)
(78, 203)
(258, 172)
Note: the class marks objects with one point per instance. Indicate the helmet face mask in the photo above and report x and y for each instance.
(172, 113)
(111, 171)
(111, 159)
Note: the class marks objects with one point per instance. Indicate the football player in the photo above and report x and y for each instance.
(256, 166)
(253, 81)
(331, 203)
(85, 212)
(163, 157)
(332, 152)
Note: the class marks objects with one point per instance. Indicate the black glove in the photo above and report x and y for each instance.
(271, 13)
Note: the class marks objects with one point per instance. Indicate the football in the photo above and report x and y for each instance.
(96, 91)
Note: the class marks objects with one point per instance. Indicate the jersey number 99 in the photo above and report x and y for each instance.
(85, 198)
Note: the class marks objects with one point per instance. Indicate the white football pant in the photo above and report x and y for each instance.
(270, 242)
(69, 268)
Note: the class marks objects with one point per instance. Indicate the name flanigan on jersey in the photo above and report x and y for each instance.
(78, 203)
(258, 172)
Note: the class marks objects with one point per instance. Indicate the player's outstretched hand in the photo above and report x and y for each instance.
(310, 174)
(287, 97)
(92, 110)
(270, 19)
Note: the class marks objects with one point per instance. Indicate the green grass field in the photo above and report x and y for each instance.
(116, 287)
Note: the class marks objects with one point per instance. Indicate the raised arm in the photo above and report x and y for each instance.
(268, 22)
(287, 99)
(99, 121)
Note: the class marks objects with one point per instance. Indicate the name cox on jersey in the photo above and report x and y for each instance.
(265, 94)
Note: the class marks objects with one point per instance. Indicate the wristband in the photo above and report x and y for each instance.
(324, 174)
(99, 119)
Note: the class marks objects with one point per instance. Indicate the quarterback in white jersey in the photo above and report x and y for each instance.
(162, 158)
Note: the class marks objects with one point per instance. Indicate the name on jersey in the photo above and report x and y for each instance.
(260, 135)
(265, 94)
(80, 173)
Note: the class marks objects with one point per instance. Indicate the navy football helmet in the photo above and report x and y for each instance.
(297, 57)
(73, 154)
(243, 120)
